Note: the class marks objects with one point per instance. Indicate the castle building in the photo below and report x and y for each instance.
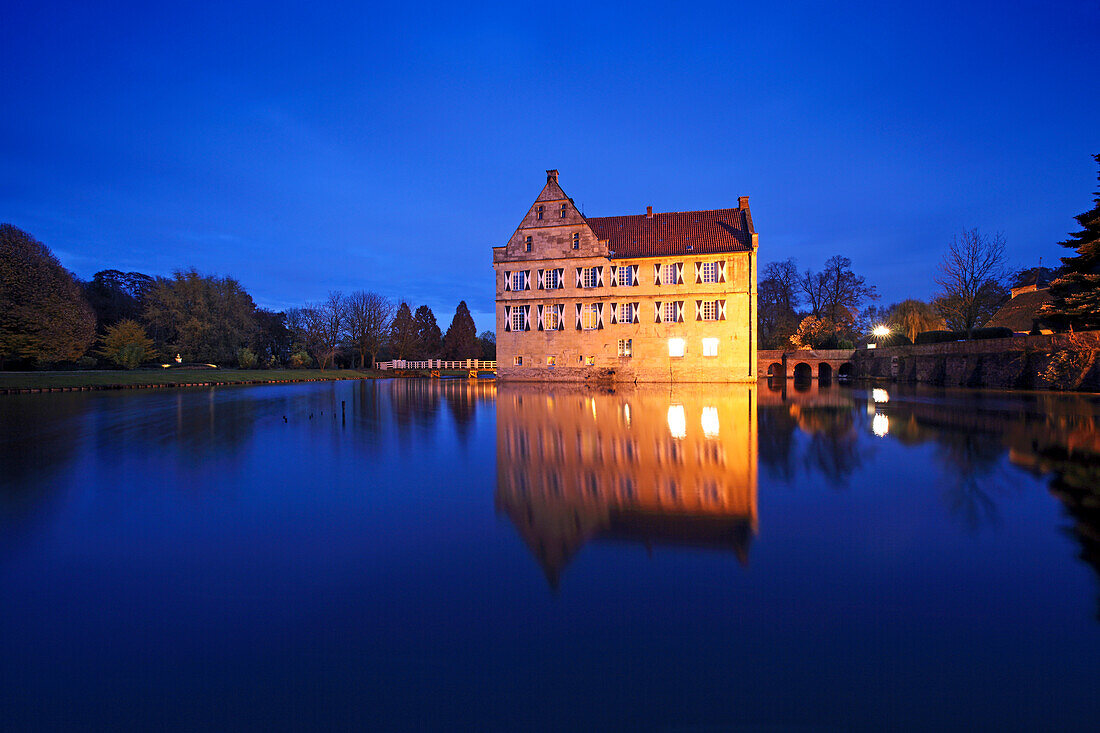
(654, 297)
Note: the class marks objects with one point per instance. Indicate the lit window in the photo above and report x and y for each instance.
(710, 422)
(710, 310)
(710, 347)
(670, 312)
(668, 274)
(517, 319)
(676, 348)
(591, 277)
(550, 320)
(538, 212)
(527, 244)
(589, 361)
(626, 313)
(551, 361)
(677, 421)
(590, 316)
(517, 360)
(625, 348)
(576, 240)
(517, 281)
(710, 272)
(563, 211)
(623, 275)
(552, 279)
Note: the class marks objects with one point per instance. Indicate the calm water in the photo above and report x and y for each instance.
(468, 556)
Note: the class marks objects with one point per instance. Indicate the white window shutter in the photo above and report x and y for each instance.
(657, 312)
(526, 279)
(698, 272)
(657, 274)
(721, 310)
(722, 271)
(540, 283)
(614, 314)
(599, 315)
(561, 316)
(679, 273)
(599, 276)
(507, 281)
(633, 274)
(614, 275)
(526, 318)
(579, 306)
(507, 318)
(698, 310)
(679, 311)
(580, 278)
(561, 277)
(636, 309)
(538, 321)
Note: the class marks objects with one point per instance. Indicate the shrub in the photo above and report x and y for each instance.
(246, 359)
(1068, 365)
(86, 362)
(845, 344)
(126, 344)
(939, 337)
(300, 360)
(998, 332)
(894, 339)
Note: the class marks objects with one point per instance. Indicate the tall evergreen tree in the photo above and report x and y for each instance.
(404, 338)
(1075, 295)
(428, 333)
(461, 342)
(43, 314)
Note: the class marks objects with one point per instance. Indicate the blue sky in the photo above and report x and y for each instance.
(348, 146)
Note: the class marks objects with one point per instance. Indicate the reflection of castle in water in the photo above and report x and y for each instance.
(644, 466)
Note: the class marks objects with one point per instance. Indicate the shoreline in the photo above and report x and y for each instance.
(12, 383)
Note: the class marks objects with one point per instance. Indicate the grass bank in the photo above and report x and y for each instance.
(18, 382)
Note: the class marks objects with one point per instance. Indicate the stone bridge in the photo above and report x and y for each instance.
(806, 363)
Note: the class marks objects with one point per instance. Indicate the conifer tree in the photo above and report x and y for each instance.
(1075, 295)
(429, 336)
(461, 342)
(404, 339)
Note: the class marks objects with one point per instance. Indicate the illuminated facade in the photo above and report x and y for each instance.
(638, 465)
(654, 297)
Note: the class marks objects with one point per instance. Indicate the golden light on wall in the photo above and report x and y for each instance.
(710, 422)
(677, 421)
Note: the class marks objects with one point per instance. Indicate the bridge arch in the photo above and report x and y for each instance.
(824, 372)
(775, 369)
(803, 371)
(845, 370)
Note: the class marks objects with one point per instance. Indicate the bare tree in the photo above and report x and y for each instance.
(971, 274)
(836, 293)
(369, 316)
(324, 327)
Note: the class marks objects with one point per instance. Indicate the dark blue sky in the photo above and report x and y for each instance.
(343, 146)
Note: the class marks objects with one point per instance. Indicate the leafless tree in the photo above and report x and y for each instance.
(368, 319)
(970, 275)
(324, 325)
(836, 293)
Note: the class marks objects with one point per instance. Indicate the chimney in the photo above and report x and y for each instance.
(649, 212)
(551, 175)
(742, 202)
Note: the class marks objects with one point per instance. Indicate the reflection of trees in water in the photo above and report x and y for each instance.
(776, 440)
(833, 450)
(974, 461)
(414, 403)
(462, 406)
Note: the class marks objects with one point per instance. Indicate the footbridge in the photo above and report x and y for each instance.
(824, 364)
(472, 367)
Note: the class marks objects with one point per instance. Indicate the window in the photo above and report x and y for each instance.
(710, 272)
(527, 245)
(668, 274)
(710, 310)
(552, 279)
(625, 347)
(576, 240)
(710, 347)
(550, 321)
(538, 212)
(563, 211)
(591, 277)
(670, 312)
(675, 347)
(590, 361)
(517, 319)
(551, 361)
(517, 281)
(626, 313)
(590, 316)
(517, 360)
(623, 275)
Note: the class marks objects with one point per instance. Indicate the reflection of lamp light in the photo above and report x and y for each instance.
(677, 421)
(880, 425)
(626, 414)
(880, 395)
(710, 422)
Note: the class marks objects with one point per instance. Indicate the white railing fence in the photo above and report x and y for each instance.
(438, 364)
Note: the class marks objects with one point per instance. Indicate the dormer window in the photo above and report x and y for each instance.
(527, 245)
(576, 240)
(538, 212)
(563, 211)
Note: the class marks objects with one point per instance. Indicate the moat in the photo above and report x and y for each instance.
(402, 554)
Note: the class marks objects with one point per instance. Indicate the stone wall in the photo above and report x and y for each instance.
(1009, 363)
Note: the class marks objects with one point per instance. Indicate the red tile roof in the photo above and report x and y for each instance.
(675, 233)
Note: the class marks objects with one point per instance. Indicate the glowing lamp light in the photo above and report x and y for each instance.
(880, 425)
(880, 395)
(710, 422)
(676, 347)
(677, 421)
(880, 331)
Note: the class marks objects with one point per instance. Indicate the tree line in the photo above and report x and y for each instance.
(48, 317)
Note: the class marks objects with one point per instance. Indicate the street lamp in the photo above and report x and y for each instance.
(880, 331)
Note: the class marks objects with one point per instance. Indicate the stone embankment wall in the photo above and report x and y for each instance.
(1009, 363)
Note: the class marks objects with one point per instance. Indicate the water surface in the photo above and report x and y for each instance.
(405, 554)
